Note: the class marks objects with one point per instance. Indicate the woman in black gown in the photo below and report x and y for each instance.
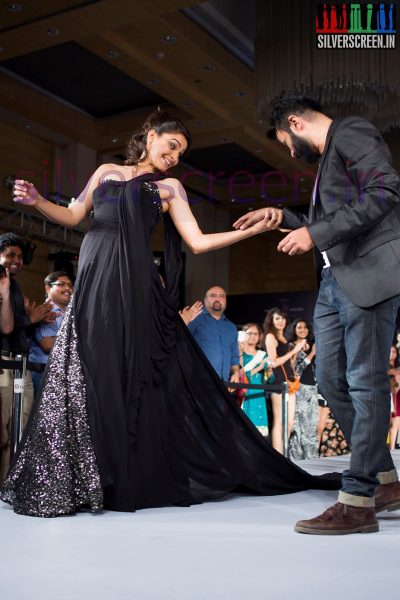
(130, 413)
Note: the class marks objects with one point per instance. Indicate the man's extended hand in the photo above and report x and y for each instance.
(298, 241)
(270, 218)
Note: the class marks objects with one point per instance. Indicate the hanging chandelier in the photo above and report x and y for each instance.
(298, 47)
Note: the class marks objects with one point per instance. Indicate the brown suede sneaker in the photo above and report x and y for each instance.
(387, 497)
(341, 519)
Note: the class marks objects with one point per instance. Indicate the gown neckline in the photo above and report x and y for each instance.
(128, 180)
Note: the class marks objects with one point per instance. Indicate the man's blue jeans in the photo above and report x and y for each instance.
(353, 347)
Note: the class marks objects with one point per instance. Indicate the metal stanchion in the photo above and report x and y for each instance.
(285, 422)
(16, 423)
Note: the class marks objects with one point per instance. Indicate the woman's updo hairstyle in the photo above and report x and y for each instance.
(162, 122)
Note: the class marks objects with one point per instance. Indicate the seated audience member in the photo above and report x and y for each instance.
(14, 341)
(217, 336)
(257, 369)
(58, 287)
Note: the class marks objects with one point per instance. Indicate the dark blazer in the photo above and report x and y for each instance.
(356, 216)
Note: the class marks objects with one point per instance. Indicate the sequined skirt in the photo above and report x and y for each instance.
(55, 471)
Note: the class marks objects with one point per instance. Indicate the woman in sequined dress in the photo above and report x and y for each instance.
(304, 442)
(130, 413)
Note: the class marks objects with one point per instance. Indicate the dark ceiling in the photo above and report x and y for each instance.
(226, 160)
(79, 77)
(91, 71)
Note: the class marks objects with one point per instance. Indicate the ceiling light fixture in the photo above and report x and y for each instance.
(15, 8)
(113, 53)
(53, 31)
(363, 82)
(169, 39)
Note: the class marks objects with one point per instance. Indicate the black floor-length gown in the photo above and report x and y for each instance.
(130, 413)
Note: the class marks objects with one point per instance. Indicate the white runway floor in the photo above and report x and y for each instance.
(238, 549)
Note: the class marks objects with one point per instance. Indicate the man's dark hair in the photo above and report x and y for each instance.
(52, 277)
(290, 103)
(10, 239)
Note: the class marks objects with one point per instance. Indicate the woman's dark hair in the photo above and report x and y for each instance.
(290, 103)
(10, 239)
(268, 325)
(52, 277)
(162, 122)
(290, 331)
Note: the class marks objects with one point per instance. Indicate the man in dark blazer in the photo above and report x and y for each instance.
(354, 227)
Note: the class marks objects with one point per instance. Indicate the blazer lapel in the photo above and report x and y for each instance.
(312, 213)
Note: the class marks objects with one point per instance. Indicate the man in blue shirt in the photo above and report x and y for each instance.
(217, 336)
(58, 287)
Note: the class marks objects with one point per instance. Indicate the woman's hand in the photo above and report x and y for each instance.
(260, 220)
(299, 346)
(25, 192)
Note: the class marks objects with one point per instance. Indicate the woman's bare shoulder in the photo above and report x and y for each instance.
(170, 188)
(270, 336)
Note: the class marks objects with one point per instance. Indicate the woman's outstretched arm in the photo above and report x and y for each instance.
(26, 193)
(172, 192)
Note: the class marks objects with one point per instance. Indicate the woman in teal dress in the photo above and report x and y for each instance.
(256, 367)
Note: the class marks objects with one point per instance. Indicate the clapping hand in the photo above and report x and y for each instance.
(300, 346)
(41, 312)
(189, 313)
(4, 280)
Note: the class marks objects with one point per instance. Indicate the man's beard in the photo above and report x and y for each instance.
(303, 150)
(217, 306)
